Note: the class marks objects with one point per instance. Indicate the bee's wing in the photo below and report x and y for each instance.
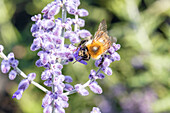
(102, 36)
(102, 26)
(102, 29)
(113, 39)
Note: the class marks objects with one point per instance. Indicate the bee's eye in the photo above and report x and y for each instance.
(95, 48)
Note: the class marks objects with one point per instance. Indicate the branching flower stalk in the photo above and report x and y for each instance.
(84, 85)
(50, 34)
(3, 56)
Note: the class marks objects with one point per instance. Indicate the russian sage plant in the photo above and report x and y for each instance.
(50, 34)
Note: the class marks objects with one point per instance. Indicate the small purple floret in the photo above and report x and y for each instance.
(83, 12)
(18, 94)
(68, 79)
(31, 76)
(12, 74)
(81, 90)
(5, 66)
(68, 87)
(23, 85)
(95, 87)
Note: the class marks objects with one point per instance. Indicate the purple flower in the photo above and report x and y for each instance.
(59, 109)
(74, 38)
(100, 76)
(54, 10)
(107, 70)
(48, 109)
(67, 24)
(11, 56)
(47, 100)
(1, 48)
(76, 2)
(47, 24)
(11, 59)
(44, 58)
(92, 74)
(38, 63)
(48, 82)
(58, 80)
(18, 94)
(46, 74)
(5, 66)
(68, 79)
(67, 34)
(57, 66)
(115, 57)
(82, 12)
(51, 9)
(34, 28)
(12, 74)
(111, 50)
(36, 17)
(31, 76)
(95, 76)
(95, 110)
(15, 63)
(68, 87)
(56, 72)
(106, 62)
(36, 44)
(48, 33)
(98, 62)
(71, 7)
(60, 88)
(116, 46)
(80, 89)
(84, 33)
(57, 32)
(62, 103)
(95, 87)
(23, 85)
(81, 22)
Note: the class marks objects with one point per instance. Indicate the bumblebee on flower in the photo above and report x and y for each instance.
(98, 47)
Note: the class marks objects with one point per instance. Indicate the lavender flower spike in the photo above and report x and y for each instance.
(80, 89)
(95, 87)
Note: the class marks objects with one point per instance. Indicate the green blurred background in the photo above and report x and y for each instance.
(141, 79)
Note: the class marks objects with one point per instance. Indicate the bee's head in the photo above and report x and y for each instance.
(83, 51)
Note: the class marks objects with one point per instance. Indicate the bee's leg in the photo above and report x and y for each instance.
(101, 61)
(78, 60)
(82, 42)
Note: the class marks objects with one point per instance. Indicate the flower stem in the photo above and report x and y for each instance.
(64, 15)
(2, 55)
(84, 85)
(76, 25)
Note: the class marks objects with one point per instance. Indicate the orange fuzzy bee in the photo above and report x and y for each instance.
(94, 48)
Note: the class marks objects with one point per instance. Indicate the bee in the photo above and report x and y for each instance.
(94, 48)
